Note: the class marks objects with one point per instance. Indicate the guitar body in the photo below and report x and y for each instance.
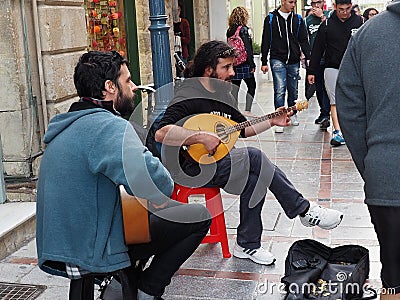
(136, 219)
(217, 125)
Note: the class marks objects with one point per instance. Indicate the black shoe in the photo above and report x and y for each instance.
(319, 120)
(325, 123)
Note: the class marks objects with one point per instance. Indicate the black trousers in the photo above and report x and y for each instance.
(251, 90)
(387, 226)
(175, 231)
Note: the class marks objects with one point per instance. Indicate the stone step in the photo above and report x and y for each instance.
(17, 226)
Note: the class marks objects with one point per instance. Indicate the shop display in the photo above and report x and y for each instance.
(105, 25)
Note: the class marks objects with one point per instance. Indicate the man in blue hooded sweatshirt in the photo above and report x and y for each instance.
(91, 152)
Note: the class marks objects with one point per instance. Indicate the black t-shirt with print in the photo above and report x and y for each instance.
(192, 99)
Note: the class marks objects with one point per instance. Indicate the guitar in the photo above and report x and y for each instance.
(136, 218)
(227, 130)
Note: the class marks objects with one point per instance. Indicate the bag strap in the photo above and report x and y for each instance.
(298, 26)
(373, 296)
(238, 31)
(271, 16)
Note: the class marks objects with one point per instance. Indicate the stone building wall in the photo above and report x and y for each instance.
(202, 21)
(19, 133)
(143, 24)
(53, 47)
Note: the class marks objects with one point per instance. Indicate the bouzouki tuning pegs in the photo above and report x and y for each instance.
(301, 104)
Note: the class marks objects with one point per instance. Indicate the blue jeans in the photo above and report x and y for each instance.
(284, 77)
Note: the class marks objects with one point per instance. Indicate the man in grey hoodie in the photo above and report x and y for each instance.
(367, 94)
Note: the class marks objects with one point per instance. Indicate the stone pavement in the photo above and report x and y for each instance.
(321, 173)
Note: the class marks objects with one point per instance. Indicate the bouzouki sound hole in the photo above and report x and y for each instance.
(220, 131)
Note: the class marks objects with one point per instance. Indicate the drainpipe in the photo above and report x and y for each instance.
(32, 98)
(3, 196)
(40, 64)
(161, 57)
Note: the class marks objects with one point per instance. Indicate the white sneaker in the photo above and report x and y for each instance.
(294, 121)
(326, 218)
(259, 255)
(278, 129)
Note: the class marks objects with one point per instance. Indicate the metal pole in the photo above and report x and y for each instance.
(3, 196)
(161, 57)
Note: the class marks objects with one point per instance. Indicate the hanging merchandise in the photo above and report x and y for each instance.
(106, 25)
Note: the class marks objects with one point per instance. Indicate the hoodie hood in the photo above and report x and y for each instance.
(62, 121)
(394, 7)
(290, 21)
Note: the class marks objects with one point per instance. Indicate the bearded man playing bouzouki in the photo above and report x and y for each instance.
(243, 171)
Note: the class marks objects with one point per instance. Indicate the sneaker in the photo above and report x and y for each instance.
(337, 138)
(294, 121)
(325, 123)
(259, 255)
(319, 120)
(326, 218)
(278, 129)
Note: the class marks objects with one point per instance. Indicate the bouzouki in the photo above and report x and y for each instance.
(136, 219)
(227, 130)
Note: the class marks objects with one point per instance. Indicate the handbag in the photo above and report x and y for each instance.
(316, 271)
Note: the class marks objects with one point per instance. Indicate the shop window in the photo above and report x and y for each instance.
(106, 25)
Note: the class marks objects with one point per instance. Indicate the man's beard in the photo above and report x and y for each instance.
(219, 84)
(125, 104)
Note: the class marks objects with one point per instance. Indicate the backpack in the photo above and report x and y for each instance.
(271, 16)
(316, 271)
(236, 42)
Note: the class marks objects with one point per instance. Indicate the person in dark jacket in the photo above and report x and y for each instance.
(244, 71)
(283, 35)
(330, 43)
(312, 22)
(367, 95)
(91, 152)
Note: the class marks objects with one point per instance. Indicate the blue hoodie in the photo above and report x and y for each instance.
(79, 220)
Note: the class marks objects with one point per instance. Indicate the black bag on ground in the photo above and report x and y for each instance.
(316, 271)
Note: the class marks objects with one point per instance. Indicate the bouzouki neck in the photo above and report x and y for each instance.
(242, 125)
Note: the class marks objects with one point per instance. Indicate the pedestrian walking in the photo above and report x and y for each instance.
(284, 38)
(330, 44)
(367, 97)
(244, 71)
(312, 22)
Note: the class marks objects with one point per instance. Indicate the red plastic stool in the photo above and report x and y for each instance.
(214, 205)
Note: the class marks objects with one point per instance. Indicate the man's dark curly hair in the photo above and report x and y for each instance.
(207, 56)
(94, 69)
(343, 2)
